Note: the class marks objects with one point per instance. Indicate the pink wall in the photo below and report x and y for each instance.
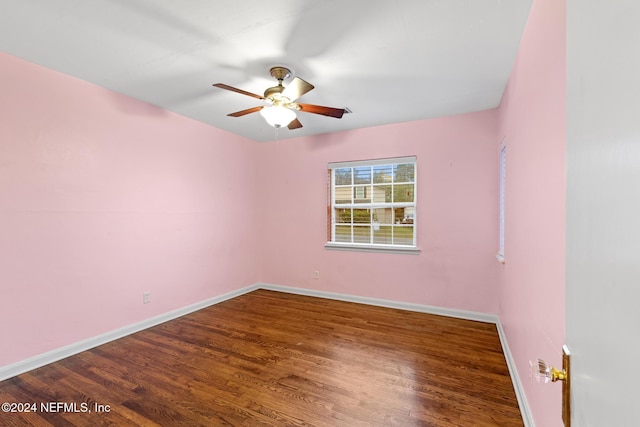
(102, 198)
(456, 214)
(533, 278)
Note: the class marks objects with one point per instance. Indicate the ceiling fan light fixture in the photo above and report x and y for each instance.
(278, 116)
(280, 106)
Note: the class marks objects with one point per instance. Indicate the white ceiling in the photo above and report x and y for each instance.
(388, 61)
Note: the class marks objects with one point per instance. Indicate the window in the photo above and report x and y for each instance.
(373, 205)
(503, 169)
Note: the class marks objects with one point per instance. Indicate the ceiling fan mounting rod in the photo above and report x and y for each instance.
(279, 73)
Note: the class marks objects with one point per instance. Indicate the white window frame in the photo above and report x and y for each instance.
(371, 205)
(503, 175)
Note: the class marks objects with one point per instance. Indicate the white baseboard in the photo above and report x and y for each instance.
(527, 417)
(460, 314)
(23, 366)
(37, 361)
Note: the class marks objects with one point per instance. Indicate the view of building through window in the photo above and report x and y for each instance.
(374, 202)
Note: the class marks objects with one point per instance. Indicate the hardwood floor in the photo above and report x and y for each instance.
(274, 359)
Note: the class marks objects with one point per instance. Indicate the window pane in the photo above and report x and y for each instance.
(382, 174)
(362, 216)
(406, 215)
(383, 216)
(382, 236)
(398, 215)
(343, 176)
(343, 216)
(362, 175)
(343, 233)
(403, 193)
(362, 234)
(403, 235)
(381, 194)
(361, 194)
(342, 195)
(404, 173)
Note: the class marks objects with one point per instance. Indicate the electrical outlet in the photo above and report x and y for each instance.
(146, 297)
(316, 275)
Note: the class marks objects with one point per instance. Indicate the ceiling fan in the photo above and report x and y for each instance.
(280, 105)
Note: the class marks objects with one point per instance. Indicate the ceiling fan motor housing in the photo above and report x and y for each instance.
(273, 92)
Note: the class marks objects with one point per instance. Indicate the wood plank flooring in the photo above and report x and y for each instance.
(275, 359)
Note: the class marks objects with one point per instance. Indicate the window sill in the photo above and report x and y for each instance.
(409, 250)
(500, 258)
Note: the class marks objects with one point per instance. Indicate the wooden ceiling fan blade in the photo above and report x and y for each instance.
(296, 88)
(325, 111)
(235, 89)
(295, 124)
(245, 112)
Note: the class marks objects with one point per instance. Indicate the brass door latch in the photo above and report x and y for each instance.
(547, 373)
